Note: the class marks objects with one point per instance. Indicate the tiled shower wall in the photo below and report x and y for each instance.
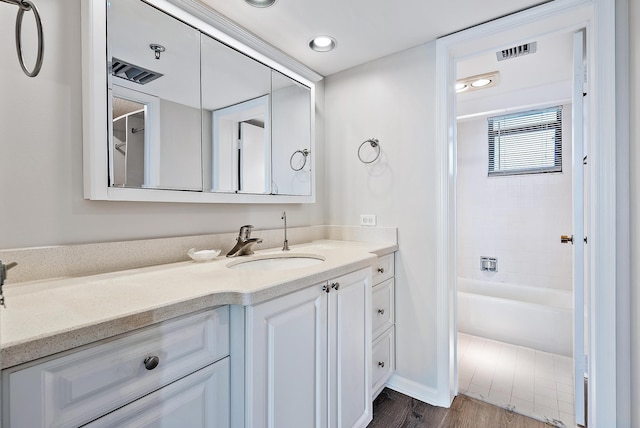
(518, 219)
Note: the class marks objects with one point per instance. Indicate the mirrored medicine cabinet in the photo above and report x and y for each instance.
(180, 111)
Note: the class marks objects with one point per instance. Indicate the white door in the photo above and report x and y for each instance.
(350, 350)
(286, 352)
(578, 224)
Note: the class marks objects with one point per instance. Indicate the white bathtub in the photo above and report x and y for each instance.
(534, 317)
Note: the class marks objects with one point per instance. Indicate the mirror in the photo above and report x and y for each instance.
(193, 114)
(236, 133)
(291, 133)
(155, 62)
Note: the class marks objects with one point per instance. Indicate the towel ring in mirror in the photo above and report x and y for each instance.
(305, 153)
(26, 6)
(374, 143)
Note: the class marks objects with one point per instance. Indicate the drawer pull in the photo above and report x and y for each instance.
(335, 286)
(151, 363)
(381, 364)
(381, 311)
(381, 270)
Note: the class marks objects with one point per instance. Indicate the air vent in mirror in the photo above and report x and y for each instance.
(132, 73)
(517, 51)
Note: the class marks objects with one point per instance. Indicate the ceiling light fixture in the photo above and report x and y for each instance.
(461, 87)
(260, 3)
(322, 43)
(479, 81)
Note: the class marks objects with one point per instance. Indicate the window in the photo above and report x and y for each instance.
(526, 143)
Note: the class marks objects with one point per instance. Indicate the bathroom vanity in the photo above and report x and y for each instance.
(204, 343)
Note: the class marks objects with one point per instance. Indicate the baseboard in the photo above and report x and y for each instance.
(417, 390)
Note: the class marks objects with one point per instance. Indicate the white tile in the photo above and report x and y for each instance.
(565, 397)
(546, 392)
(522, 393)
(562, 387)
(545, 412)
(522, 406)
(479, 390)
(568, 419)
(565, 407)
(545, 400)
(544, 382)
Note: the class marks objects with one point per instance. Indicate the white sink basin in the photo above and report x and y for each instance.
(277, 262)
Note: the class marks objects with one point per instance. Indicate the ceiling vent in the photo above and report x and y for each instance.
(132, 73)
(517, 51)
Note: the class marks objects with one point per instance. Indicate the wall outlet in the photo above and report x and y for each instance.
(368, 220)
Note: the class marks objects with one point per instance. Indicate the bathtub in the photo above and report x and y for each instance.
(537, 318)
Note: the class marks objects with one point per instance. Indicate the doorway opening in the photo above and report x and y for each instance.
(550, 18)
(514, 201)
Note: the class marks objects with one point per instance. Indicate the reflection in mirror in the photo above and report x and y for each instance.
(235, 118)
(154, 61)
(291, 136)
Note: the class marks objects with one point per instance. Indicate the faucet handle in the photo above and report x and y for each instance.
(245, 232)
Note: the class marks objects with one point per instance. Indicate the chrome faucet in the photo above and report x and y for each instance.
(245, 243)
(3, 275)
(285, 246)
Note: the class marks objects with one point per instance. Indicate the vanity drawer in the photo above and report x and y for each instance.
(81, 386)
(382, 306)
(383, 268)
(383, 360)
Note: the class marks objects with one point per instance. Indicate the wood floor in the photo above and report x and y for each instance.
(394, 410)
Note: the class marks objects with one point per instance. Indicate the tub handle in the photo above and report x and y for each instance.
(564, 239)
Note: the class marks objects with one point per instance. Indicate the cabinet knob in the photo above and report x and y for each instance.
(381, 363)
(381, 269)
(326, 288)
(335, 286)
(151, 363)
(381, 311)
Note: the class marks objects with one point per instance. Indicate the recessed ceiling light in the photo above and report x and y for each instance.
(461, 87)
(480, 83)
(260, 3)
(322, 43)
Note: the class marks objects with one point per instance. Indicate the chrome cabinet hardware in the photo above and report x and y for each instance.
(335, 285)
(381, 270)
(326, 288)
(151, 363)
(381, 311)
(381, 364)
(566, 239)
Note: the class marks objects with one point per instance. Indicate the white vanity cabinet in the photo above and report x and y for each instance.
(383, 324)
(176, 371)
(308, 357)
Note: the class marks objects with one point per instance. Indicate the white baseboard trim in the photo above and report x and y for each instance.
(417, 390)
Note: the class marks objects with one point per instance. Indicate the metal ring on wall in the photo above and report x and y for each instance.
(373, 142)
(305, 153)
(25, 6)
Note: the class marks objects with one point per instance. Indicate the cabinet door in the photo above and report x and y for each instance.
(350, 350)
(200, 400)
(286, 361)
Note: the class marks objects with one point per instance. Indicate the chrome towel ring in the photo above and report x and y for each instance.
(304, 153)
(26, 6)
(375, 144)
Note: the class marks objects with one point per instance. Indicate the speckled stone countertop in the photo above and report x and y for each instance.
(50, 316)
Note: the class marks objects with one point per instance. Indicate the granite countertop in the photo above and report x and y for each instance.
(50, 316)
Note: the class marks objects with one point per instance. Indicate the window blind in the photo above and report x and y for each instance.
(526, 143)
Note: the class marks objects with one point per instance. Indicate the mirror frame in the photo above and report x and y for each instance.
(96, 101)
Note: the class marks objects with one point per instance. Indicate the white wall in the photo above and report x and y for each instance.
(41, 200)
(392, 99)
(518, 219)
(634, 59)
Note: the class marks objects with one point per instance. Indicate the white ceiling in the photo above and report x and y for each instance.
(364, 29)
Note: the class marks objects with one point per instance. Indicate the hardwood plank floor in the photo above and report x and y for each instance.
(395, 410)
